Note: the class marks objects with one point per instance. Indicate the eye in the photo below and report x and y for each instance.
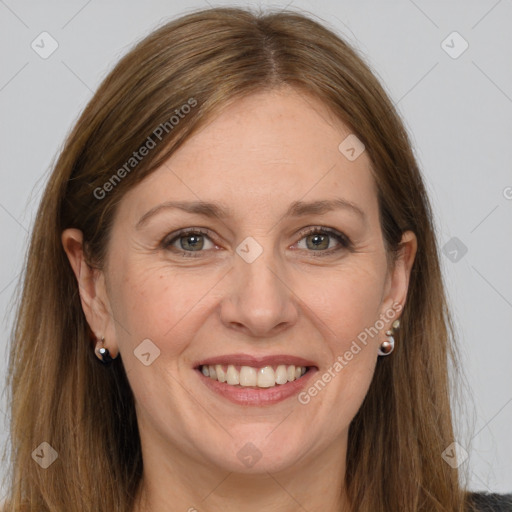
(188, 241)
(318, 239)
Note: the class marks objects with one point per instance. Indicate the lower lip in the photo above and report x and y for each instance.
(258, 396)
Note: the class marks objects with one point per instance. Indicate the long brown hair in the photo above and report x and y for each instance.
(60, 394)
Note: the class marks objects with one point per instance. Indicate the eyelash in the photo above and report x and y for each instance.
(342, 239)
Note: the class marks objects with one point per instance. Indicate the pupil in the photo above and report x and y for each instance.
(318, 240)
(193, 241)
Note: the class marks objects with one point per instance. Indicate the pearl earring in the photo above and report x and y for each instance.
(388, 345)
(103, 353)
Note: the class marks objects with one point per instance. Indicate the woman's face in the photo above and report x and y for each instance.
(252, 287)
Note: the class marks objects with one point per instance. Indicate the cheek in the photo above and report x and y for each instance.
(347, 300)
(162, 304)
(346, 312)
(346, 304)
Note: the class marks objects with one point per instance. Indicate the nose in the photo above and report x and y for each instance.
(259, 301)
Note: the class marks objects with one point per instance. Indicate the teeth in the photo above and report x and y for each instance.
(281, 374)
(265, 377)
(233, 377)
(248, 376)
(221, 374)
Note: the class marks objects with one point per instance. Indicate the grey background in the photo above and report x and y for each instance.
(457, 110)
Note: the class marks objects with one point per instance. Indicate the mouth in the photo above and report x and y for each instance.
(248, 380)
(255, 377)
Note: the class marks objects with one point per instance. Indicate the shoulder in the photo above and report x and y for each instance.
(490, 502)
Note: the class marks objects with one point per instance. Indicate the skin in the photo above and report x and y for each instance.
(257, 157)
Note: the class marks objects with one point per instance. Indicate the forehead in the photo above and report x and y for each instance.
(274, 146)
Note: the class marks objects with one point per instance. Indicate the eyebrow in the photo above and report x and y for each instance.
(218, 211)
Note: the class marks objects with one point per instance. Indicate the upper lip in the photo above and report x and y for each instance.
(255, 361)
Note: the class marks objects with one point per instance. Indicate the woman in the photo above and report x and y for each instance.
(232, 297)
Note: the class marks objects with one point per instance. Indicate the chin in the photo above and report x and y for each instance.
(260, 455)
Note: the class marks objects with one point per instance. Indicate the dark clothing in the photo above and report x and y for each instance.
(491, 502)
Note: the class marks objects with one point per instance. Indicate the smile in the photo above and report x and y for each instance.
(249, 376)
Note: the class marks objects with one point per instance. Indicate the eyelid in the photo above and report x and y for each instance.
(342, 239)
(168, 240)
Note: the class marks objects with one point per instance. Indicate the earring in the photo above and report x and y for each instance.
(388, 345)
(103, 353)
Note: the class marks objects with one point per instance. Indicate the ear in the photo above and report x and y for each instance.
(398, 279)
(92, 289)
